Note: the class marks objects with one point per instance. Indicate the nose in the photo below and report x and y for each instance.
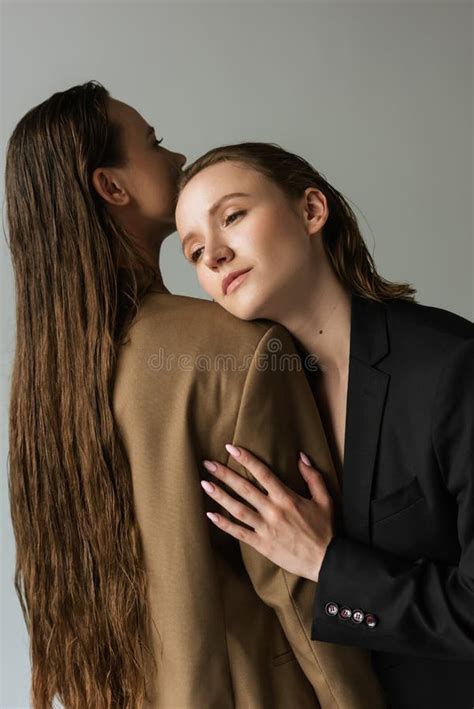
(215, 256)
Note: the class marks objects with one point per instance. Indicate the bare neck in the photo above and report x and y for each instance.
(319, 317)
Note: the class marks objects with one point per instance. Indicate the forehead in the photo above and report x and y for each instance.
(214, 182)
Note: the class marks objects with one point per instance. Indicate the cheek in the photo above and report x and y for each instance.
(208, 282)
(274, 241)
(282, 253)
(158, 191)
(147, 185)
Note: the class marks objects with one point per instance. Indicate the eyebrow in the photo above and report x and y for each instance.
(212, 210)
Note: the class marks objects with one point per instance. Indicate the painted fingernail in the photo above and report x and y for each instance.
(209, 487)
(305, 458)
(209, 466)
(232, 450)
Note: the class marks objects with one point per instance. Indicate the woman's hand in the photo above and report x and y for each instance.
(292, 531)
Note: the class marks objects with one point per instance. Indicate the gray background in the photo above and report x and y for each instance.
(378, 96)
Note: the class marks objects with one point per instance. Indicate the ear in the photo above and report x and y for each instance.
(108, 185)
(315, 209)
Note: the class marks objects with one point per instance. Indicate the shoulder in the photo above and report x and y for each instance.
(427, 330)
(430, 318)
(183, 324)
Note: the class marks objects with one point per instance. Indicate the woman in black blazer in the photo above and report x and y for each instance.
(395, 387)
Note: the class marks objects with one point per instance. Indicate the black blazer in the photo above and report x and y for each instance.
(398, 577)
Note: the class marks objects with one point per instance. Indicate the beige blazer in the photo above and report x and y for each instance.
(230, 628)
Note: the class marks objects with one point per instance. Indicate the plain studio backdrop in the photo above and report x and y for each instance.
(378, 96)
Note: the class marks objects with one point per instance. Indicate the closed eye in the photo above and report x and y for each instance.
(156, 142)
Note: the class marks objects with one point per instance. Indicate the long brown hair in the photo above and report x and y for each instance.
(342, 238)
(79, 570)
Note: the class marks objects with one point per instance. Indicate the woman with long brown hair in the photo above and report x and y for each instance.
(80, 275)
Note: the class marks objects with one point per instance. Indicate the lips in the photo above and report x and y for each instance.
(231, 277)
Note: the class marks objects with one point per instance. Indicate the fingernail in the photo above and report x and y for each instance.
(305, 458)
(209, 487)
(232, 450)
(212, 516)
(209, 466)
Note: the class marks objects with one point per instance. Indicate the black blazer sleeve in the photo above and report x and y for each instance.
(423, 608)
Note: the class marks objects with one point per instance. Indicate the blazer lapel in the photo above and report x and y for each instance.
(367, 389)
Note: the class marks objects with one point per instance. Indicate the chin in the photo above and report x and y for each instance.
(244, 311)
